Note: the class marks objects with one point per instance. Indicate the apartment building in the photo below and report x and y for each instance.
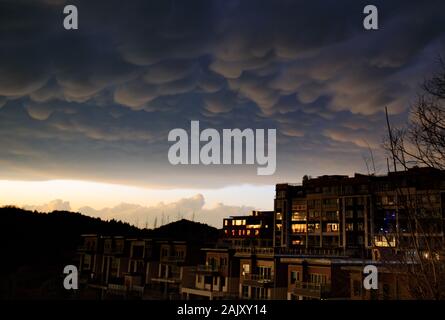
(218, 278)
(90, 269)
(262, 276)
(320, 278)
(115, 266)
(313, 245)
(177, 261)
(115, 259)
(139, 262)
(356, 214)
(252, 230)
(392, 284)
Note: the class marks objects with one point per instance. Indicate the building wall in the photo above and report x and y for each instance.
(390, 287)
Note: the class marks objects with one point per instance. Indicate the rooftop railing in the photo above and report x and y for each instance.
(290, 251)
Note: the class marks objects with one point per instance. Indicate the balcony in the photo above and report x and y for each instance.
(310, 252)
(86, 248)
(210, 294)
(330, 217)
(172, 259)
(210, 269)
(251, 279)
(113, 250)
(246, 251)
(312, 290)
(170, 277)
(279, 251)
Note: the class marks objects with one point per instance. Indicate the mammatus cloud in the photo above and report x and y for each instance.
(98, 103)
(162, 213)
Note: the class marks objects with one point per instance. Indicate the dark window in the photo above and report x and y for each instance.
(357, 288)
(293, 278)
(138, 251)
(245, 291)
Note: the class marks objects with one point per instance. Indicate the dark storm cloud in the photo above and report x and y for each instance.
(98, 102)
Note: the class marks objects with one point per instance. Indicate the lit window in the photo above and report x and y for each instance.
(332, 227)
(299, 228)
(246, 269)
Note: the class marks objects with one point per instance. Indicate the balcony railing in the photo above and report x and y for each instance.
(290, 251)
(86, 248)
(311, 251)
(256, 250)
(113, 250)
(310, 289)
(170, 277)
(173, 259)
(210, 268)
(257, 279)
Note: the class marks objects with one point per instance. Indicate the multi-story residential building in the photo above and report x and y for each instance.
(218, 278)
(262, 276)
(392, 284)
(253, 230)
(115, 259)
(90, 264)
(141, 261)
(326, 212)
(359, 213)
(176, 265)
(319, 278)
(119, 267)
(314, 245)
(113, 266)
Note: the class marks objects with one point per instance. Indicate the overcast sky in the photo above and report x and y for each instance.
(96, 104)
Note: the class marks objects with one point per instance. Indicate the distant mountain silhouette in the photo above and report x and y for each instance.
(36, 246)
(185, 230)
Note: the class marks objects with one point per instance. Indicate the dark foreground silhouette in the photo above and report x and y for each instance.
(35, 247)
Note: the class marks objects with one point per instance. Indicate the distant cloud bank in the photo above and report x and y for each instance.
(162, 213)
